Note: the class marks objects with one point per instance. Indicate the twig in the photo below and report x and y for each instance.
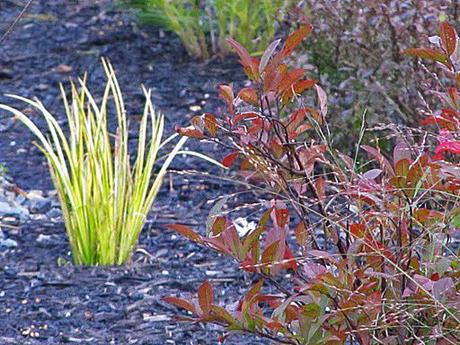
(15, 21)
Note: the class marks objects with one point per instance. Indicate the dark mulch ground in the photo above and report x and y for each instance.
(42, 299)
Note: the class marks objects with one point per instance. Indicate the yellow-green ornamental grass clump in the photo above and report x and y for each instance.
(104, 199)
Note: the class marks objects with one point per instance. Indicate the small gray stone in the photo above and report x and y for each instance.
(44, 238)
(8, 243)
(37, 203)
(47, 239)
(38, 217)
(54, 213)
(8, 210)
(10, 221)
(21, 199)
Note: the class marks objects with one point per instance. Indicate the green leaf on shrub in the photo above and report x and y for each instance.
(312, 310)
(223, 315)
(455, 222)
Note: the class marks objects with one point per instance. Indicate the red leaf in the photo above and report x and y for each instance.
(226, 92)
(297, 87)
(211, 124)
(217, 243)
(308, 156)
(273, 300)
(232, 241)
(230, 159)
(301, 234)
(197, 123)
(423, 215)
(180, 302)
(277, 148)
(205, 297)
(428, 53)
(316, 115)
(313, 269)
(242, 116)
(379, 158)
(320, 187)
(273, 75)
(249, 95)
(288, 81)
(358, 230)
(246, 164)
(282, 217)
(321, 254)
(291, 261)
(303, 85)
(448, 37)
(250, 65)
(190, 131)
(454, 96)
(449, 119)
(186, 231)
(248, 265)
(435, 276)
(268, 254)
(295, 38)
(274, 325)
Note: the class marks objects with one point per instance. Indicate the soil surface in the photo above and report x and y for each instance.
(44, 299)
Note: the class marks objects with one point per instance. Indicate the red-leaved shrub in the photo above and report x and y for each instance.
(368, 246)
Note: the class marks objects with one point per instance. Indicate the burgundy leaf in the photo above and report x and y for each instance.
(295, 38)
(205, 297)
(186, 231)
(180, 302)
(448, 37)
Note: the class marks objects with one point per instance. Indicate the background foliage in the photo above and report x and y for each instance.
(203, 26)
(356, 54)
